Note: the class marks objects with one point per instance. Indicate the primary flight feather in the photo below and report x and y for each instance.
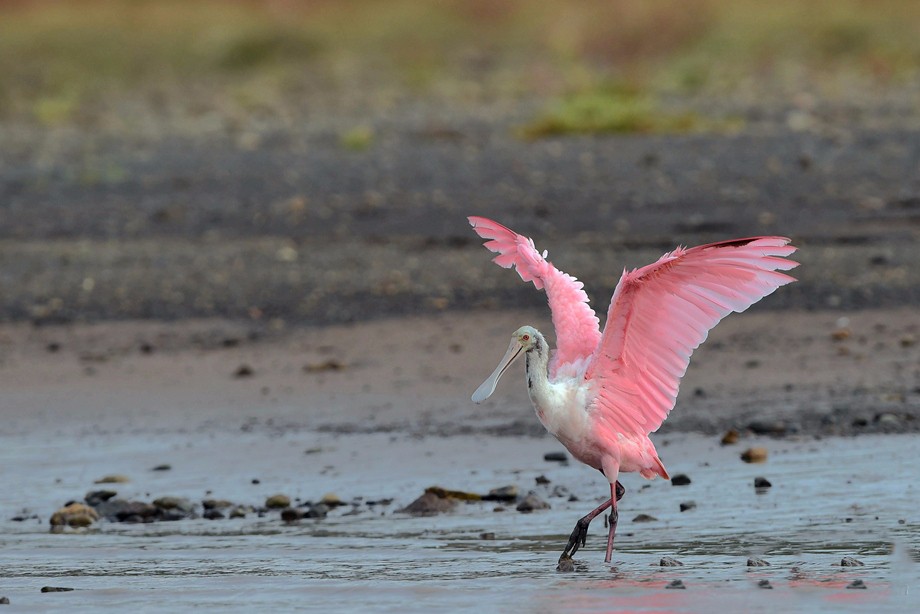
(602, 394)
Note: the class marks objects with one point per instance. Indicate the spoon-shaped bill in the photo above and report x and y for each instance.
(488, 387)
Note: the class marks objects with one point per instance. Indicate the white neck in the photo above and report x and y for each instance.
(538, 386)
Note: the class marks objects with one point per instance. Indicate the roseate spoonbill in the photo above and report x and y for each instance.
(602, 394)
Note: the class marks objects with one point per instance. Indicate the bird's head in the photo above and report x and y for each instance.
(524, 339)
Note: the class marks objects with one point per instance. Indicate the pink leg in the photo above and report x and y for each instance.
(580, 533)
(614, 516)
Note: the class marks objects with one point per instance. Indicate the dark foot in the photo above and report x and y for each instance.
(580, 533)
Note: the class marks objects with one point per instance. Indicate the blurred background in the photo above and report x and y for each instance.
(314, 161)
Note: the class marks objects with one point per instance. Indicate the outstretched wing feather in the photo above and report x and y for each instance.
(662, 312)
(576, 324)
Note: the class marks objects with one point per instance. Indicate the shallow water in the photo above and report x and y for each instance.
(830, 499)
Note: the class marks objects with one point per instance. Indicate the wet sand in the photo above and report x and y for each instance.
(793, 372)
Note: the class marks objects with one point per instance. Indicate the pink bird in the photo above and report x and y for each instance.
(602, 394)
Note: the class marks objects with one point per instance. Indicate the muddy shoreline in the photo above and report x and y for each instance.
(764, 372)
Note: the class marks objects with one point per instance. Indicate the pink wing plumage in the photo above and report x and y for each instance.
(577, 326)
(661, 312)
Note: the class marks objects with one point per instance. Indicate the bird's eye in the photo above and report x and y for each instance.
(526, 337)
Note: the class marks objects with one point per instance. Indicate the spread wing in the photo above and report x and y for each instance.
(577, 327)
(660, 313)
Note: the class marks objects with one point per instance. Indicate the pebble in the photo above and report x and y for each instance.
(213, 514)
(278, 501)
(644, 518)
(764, 584)
(761, 483)
(56, 589)
(74, 515)
(216, 504)
(429, 504)
(4, 601)
(687, 505)
(174, 503)
(95, 497)
(849, 561)
(668, 561)
(113, 479)
(240, 511)
(556, 457)
(542, 480)
(320, 510)
(487, 535)
(754, 455)
(859, 584)
(730, 437)
(162, 468)
(776, 428)
(676, 584)
(505, 494)
(756, 561)
(565, 564)
(331, 500)
(243, 371)
(454, 494)
(290, 515)
(532, 503)
(681, 479)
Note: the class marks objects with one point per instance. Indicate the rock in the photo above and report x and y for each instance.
(644, 518)
(681, 479)
(174, 503)
(75, 515)
(565, 564)
(730, 437)
(505, 494)
(561, 491)
(212, 514)
(56, 589)
(764, 584)
(95, 497)
(858, 584)
(841, 334)
(163, 467)
(676, 584)
(320, 510)
(290, 515)
(849, 561)
(429, 504)
(4, 601)
(756, 561)
(556, 457)
(489, 535)
(240, 511)
(216, 504)
(541, 480)
(668, 561)
(687, 505)
(754, 455)
(242, 371)
(113, 479)
(532, 503)
(761, 483)
(278, 501)
(453, 494)
(887, 419)
(379, 502)
(326, 365)
(776, 428)
(332, 500)
(136, 511)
